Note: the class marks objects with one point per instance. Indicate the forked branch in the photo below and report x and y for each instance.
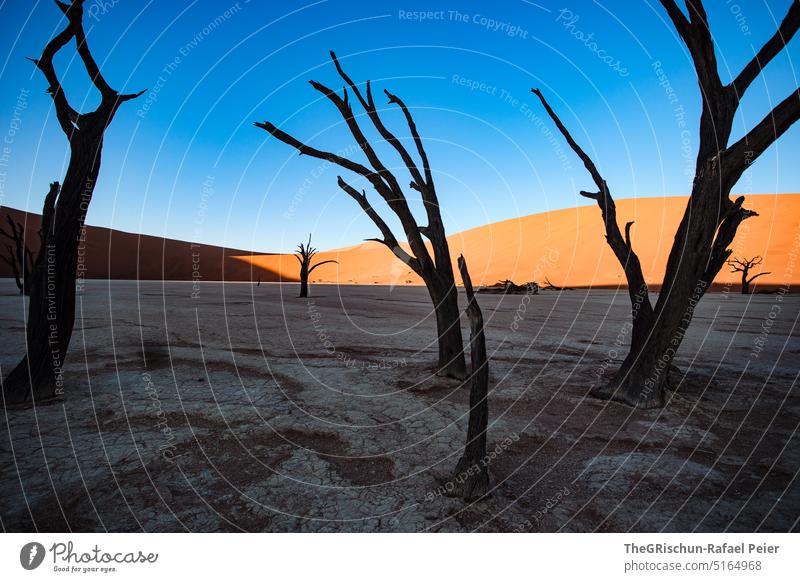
(696, 35)
(368, 103)
(622, 247)
(69, 119)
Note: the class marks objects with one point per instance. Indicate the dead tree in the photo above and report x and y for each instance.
(52, 305)
(305, 254)
(744, 266)
(434, 269)
(18, 255)
(711, 218)
(471, 479)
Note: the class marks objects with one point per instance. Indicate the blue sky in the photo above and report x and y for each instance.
(185, 161)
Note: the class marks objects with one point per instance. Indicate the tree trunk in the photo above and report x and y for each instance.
(303, 281)
(19, 256)
(745, 284)
(51, 311)
(471, 477)
(643, 377)
(19, 278)
(641, 381)
(448, 330)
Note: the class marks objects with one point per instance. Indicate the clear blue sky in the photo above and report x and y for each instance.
(185, 161)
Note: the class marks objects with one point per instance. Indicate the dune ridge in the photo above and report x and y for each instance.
(567, 246)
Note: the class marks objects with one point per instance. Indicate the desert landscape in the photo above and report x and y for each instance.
(210, 405)
(538, 277)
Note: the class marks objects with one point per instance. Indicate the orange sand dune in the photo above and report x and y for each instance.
(568, 247)
(113, 254)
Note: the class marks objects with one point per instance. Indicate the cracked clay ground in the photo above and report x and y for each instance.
(249, 409)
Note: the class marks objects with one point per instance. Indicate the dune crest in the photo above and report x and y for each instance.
(568, 247)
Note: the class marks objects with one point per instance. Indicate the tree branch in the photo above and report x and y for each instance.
(622, 247)
(74, 13)
(320, 264)
(754, 277)
(700, 44)
(304, 149)
(368, 104)
(412, 126)
(424, 185)
(388, 236)
(391, 188)
(737, 157)
(434, 231)
(682, 24)
(587, 161)
(66, 115)
(380, 177)
(771, 48)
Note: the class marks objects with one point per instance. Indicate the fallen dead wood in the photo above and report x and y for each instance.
(550, 286)
(508, 287)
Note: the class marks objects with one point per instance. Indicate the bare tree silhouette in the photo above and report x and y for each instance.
(437, 270)
(305, 255)
(711, 218)
(52, 305)
(18, 255)
(471, 479)
(744, 266)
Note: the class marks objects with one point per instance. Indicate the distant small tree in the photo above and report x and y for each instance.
(744, 266)
(471, 479)
(305, 254)
(18, 255)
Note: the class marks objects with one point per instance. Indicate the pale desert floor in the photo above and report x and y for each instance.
(249, 409)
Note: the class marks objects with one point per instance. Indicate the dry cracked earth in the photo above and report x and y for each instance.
(245, 408)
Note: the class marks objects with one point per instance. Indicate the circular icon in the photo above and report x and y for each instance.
(31, 555)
